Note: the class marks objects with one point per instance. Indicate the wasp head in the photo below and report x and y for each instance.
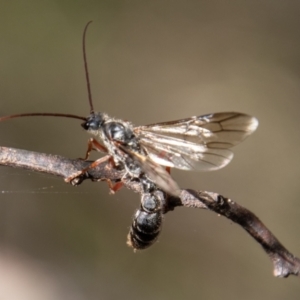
(93, 122)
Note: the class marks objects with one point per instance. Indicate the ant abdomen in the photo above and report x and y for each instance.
(147, 221)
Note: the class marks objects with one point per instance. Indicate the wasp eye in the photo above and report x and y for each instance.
(85, 125)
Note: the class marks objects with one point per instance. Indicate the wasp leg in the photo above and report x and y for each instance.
(93, 144)
(92, 165)
(114, 187)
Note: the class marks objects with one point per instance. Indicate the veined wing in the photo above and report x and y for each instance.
(198, 143)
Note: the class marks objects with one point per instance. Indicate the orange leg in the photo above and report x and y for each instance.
(93, 144)
(92, 165)
(113, 187)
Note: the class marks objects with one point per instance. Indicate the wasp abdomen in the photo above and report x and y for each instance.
(147, 222)
(144, 229)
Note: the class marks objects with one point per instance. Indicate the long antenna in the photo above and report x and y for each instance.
(42, 114)
(59, 114)
(86, 68)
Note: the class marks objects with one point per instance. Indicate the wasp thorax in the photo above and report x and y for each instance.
(116, 131)
(93, 122)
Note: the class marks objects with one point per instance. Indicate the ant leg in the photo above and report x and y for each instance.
(93, 144)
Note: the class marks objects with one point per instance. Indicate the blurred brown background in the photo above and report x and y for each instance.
(149, 61)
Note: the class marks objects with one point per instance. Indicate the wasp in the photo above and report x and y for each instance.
(146, 153)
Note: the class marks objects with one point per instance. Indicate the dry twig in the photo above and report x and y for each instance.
(284, 262)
